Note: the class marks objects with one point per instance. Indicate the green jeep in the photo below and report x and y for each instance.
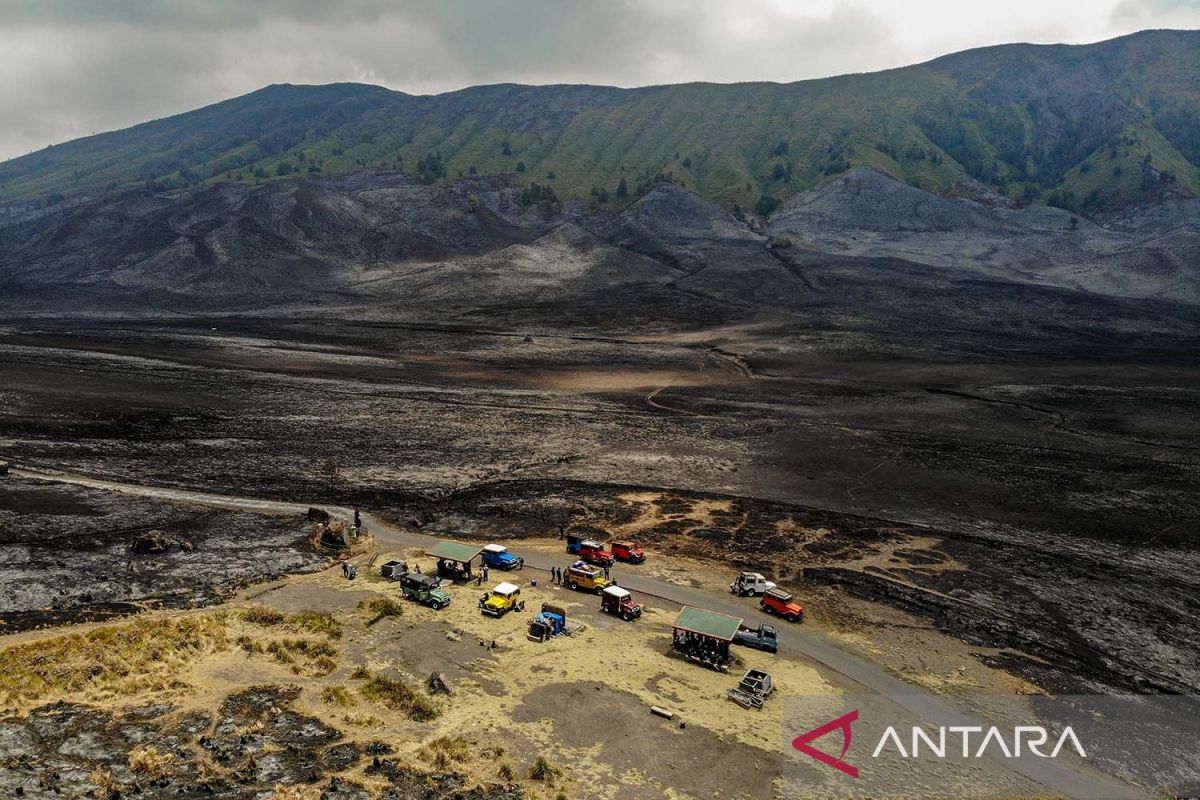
(424, 589)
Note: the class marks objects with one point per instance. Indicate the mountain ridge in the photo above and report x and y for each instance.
(1086, 127)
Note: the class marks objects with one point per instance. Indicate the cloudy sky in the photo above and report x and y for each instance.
(75, 67)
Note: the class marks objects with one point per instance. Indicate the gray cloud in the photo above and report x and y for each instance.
(74, 67)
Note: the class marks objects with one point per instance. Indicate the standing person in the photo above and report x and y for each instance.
(418, 569)
(357, 519)
(485, 571)
(606, 574)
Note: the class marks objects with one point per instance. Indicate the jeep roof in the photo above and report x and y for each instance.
(494, 548)
(506, 588)
(780, 595)
(419, 581)
(617, 592)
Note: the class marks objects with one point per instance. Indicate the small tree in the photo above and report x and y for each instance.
(332, 471)
(622, 189)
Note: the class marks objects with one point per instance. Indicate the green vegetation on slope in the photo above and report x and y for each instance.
(1084, 127)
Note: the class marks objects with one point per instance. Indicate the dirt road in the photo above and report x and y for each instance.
(1059, 777)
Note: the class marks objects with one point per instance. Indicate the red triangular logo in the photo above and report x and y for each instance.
(842, 723)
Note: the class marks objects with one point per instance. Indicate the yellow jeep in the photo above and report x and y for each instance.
(587, 578)
(499, 601)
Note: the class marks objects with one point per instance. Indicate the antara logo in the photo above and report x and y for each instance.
(842, 723)
(922, 743)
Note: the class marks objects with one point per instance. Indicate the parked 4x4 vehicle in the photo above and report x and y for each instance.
(750, 584)
(594, 553)
(586, 579)
(777, 601)
(763, 637)
(627, 551)
(424, 589)
(497, 556)
(499, 601)
(619, 602)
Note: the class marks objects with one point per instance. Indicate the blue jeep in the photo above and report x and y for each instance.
(496, 556)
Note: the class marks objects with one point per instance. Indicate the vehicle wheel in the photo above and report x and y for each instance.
(626, 617)
(793, 618)
(599, 591)
(436, 606)
(766, 608)
(753, 593)
(572, 585)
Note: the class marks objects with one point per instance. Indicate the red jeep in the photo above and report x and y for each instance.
(594, 553)
(777, 601)
(628, 552)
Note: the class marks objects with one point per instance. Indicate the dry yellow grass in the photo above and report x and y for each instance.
(317, 622)
(336, 696)
(295, 793)
(445, 751)
(143, 655)
(399, 696)
(150, 763)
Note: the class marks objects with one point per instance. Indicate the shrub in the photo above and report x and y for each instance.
(320, 658)
(266, 617)
(765, 205)
(399, 696)
(382, 607)
(543, 770)
(320, 622)
(336, 696)
(446, 750)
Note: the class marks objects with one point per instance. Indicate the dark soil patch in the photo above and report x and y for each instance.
(693, 760)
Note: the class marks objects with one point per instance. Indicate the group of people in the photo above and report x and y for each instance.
(559, 575)
(483, 574)
(349, 571)
(702, 647)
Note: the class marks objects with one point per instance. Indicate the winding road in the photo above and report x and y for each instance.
(1057, 776)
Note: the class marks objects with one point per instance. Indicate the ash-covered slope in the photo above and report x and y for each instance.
(1145, 252)
(863, 253)
(234, 247)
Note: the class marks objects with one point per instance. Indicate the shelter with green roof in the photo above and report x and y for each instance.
(704, 636)
(454, 559)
